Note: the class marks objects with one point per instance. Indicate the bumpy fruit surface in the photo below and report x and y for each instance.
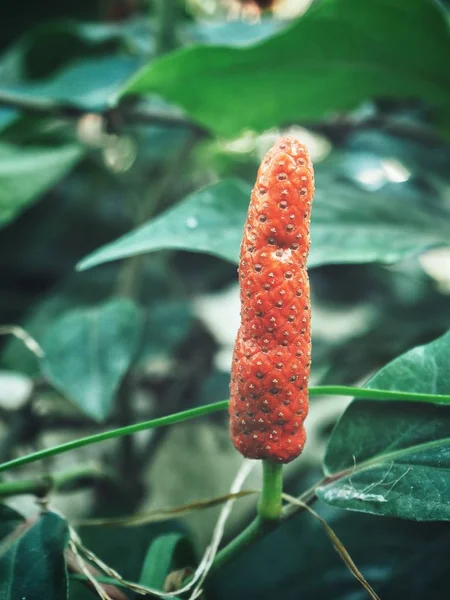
(272, 354)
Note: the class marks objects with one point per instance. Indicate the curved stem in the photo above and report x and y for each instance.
(269, 505)
(321, 390)
(239, 543)
(115, 433)
(260, 527)
(269, 513)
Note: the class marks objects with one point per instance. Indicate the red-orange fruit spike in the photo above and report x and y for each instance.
(272, 354)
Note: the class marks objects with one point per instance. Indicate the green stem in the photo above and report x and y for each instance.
(256, 529)
(260, 527)
(376, 394)
(39, 486)
(115, 433)
(269, 513)
(323, 390)
(269, 505)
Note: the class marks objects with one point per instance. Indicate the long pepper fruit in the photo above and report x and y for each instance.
(272, 354)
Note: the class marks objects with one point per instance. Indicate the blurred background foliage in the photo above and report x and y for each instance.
(131, 132)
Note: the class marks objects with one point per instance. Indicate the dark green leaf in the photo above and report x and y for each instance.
(166, 553)
(422, 369)
(210, 220)
(88, 352)
(423, 573)
(9, 519)
(300, 561)
(391, 458)
(338, 54)
(32, 566)
(26, 173)
(349, 225)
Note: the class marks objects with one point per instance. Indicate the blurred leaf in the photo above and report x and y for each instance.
(48, 48)
(392, 155)
(166, 553)
(33, 565)
(86, 209)
(329, 60)
(88, 83)
(158, 144)
(75, 63)
(9, 520)
(214, 387)
(27, 172)
(422, 574)
(88, 352)
(20, 20)
(350, 225)
(87, 289)
(393, 459)
(161, 341)
(344, 229)
(7, 116)
(233, 32)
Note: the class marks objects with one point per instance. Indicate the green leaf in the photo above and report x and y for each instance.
(27, 172)
(210, 220)
(9, 520)
(340, 53)
(391, 458)
(349, 225)
(32, 566)
(75, 63)
(424, 369)
(166, 553)
(100, 77)
(48, 48)
(88, 352)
